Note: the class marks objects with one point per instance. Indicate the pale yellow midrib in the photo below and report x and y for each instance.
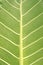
(21, 42)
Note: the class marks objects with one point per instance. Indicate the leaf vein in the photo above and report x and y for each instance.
(4, 61)
(33, 53)
(33, 32)
(9, 40)
(10, 14)
(11, 4)
(31, 8)
(36, 60)
(32, 20)
(9, 28)
(9, 52)
(32, 43)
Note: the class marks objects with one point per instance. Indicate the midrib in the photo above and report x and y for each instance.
(21, 42)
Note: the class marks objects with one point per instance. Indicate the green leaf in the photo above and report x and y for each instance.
(21, 32)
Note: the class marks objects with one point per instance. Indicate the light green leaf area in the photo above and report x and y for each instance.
(21, 32)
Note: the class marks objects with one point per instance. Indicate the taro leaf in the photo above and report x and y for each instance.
(21, 32)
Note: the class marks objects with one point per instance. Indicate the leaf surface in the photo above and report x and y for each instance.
(21, 32)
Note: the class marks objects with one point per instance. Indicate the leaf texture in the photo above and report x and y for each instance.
(21, 32)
